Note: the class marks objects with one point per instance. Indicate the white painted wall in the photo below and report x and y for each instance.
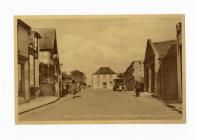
(44, 57)
(100, 79)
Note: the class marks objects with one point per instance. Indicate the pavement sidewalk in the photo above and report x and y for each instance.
(176, 106)
(36, 103)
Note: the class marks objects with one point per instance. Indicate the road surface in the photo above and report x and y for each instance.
(103, 105)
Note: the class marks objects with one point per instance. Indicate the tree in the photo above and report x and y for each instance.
(65, 76)
(78, 76)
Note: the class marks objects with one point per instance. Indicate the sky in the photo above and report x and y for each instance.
(87, 43)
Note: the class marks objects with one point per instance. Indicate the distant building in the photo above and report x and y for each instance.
(103, 78)
(160, 69)
(135, 72)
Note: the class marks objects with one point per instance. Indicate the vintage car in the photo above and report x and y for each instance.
(119, 85)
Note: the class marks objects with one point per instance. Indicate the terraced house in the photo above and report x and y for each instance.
(49, 66)
(38, 62)
(28, 63)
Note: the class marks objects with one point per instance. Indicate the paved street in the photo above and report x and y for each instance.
(102, 105)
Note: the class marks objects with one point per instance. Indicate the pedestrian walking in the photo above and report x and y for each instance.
(67, 88)
(137, 88)
(73, 88)
(63, 88)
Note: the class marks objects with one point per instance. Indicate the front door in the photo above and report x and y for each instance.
(104, 85)
(21, 80)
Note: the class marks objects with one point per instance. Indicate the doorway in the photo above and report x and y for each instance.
(104, 85)
(21, 80)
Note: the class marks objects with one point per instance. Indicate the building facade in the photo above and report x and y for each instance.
(27, 45)
(179, 59)
(160, 69)
(134, 73)
(23, 32)
(34, 46)
(38, 62)
(103, 78)
(49, 66)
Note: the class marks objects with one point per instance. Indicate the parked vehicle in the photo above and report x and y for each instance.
(119, 85)
(119, 88)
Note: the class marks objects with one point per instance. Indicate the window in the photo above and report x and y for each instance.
(43, 73)
(44, 57)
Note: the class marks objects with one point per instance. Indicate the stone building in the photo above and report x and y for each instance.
(160, 69)
(134, 73)
(103, 78)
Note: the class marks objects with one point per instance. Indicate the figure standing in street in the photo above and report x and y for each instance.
(137, 88)
(73, 88)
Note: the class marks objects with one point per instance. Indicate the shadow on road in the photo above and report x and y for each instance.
(136, 96)
(77, 96)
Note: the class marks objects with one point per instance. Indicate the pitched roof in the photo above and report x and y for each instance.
(37, 34)
(22, 23)
(48, 40)
(161, 50)
(104, 70)
(166, 48)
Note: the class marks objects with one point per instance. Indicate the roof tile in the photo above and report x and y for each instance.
(104, 70)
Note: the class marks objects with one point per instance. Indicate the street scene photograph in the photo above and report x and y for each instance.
(100, 69)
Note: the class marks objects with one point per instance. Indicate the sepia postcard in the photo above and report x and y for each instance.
(100, 69)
